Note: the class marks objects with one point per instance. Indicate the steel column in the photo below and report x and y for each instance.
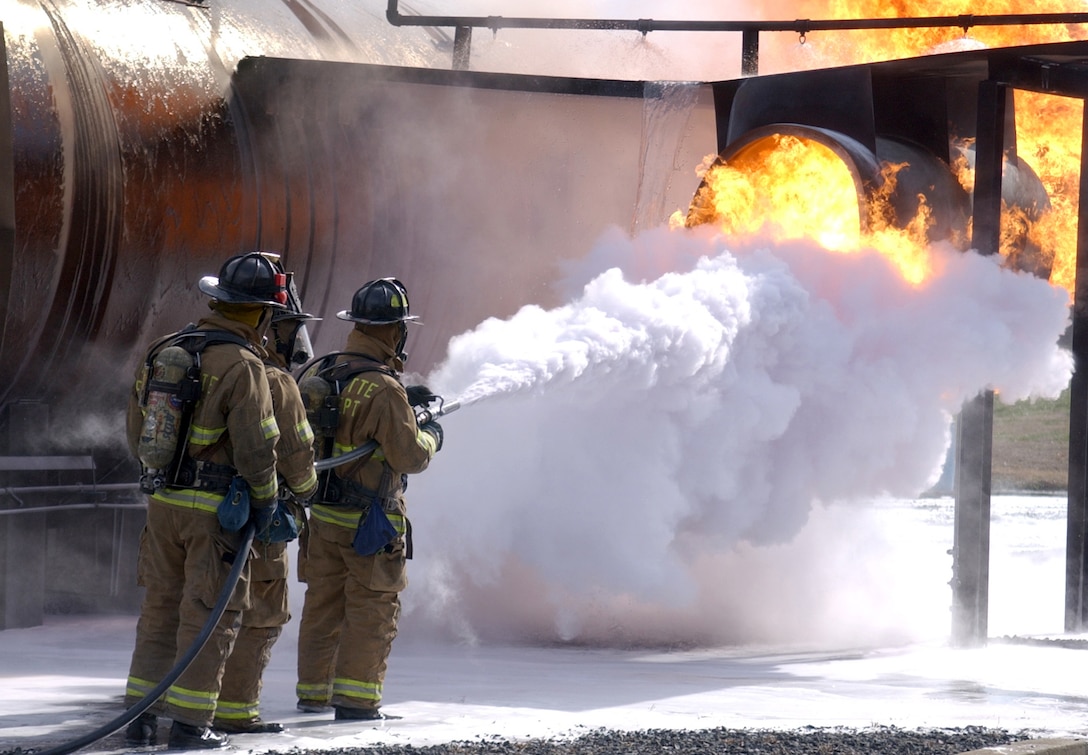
(1076, 566)
(971, 539)
(749, 56)
(462, 48)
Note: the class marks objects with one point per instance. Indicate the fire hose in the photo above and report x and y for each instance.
(131, 714)
(422, 418)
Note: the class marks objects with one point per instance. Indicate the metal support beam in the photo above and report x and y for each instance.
(1076, 565)
(971, 539)
(462, 48)
(749, 56)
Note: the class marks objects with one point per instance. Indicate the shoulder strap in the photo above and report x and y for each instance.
(195, 341)
(342, 371)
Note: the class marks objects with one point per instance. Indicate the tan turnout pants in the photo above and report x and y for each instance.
(349, 618)
(261, 626)
(184, 560)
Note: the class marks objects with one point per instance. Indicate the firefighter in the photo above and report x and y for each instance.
(185, 556)
(238, 709)
(352, 603)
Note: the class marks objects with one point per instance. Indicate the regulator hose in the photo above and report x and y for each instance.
(131, 714)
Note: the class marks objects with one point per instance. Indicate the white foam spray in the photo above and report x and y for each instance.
(689, 449)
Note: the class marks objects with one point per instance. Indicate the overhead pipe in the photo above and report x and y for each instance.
(749, 29)
(800, 26)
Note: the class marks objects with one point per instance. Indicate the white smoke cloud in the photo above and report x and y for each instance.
(638, 463)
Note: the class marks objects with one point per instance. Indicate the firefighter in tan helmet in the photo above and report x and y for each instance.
(360, 537)
(224, 432)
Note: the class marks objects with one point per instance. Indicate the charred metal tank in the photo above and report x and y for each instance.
(149, 140)
(127, 177)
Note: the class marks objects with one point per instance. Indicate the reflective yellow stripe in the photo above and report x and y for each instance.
(264, 492)
(428, 441)
(191, 699)
(358, 690)
(311, 481)
(237, 711)
(349, 518)
(305, 432)
(339, 516)
(205, 436)
(202, 500)
(137, 687)
(270, 429)
(318, 693)
(339, 449)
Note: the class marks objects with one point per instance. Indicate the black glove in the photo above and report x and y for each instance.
(419, 395)
(435, 429)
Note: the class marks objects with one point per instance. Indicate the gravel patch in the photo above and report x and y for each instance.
(720, 741)
(804, 741)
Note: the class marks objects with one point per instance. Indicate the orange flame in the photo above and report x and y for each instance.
(1048, 139)
(787, 187)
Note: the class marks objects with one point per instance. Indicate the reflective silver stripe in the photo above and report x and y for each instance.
(428, 441)
(270, 429)
(357, 690)
(237, 711)
(311, 480)
(316, 692)
(201, 500)
(191, 699)
(350, 517)
(341, 517)
(339, 449)
(137, 687)
(305, 432)
(264, 492)
(205, 436)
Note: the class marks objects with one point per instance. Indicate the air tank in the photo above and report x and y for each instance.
(163, 410)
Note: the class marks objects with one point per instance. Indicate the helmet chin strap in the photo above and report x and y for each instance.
(263, 322)
(402, 340)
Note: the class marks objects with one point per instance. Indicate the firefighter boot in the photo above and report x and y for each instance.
(255, 726)
(189, 737)
(143, 730)
(358, 714)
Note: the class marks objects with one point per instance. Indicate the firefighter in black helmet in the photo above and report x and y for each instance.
(185, 555)
(238, 708)
(353, 581)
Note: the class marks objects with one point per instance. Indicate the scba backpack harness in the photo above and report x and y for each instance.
(321, 383)
(172, 389)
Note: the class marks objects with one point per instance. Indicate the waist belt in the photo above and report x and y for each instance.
(204, 475)
(340, 492)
